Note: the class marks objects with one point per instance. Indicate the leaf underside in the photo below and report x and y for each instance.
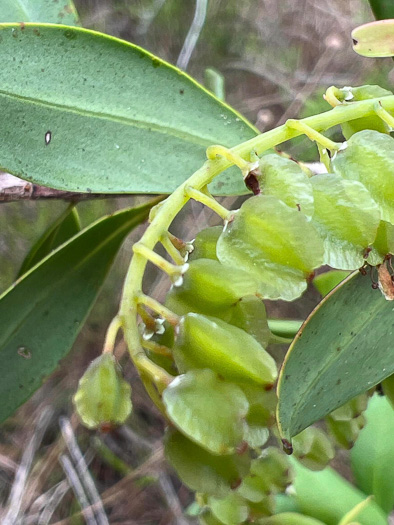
(343, 349)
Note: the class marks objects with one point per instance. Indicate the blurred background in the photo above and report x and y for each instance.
(277, 58)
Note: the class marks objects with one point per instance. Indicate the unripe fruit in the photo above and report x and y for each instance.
(284, 179)
(204, 245)
(274, 243)
(103, 396)
(313, 448)
(202, 471)
(209, 342)
(269, 474)
(290, 518)
(355, 94)
(230, 510)
(345, 432)
(209, 286)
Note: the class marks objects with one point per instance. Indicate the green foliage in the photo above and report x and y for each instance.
(87, 112)
(373, 453)
(41, 11)
(337, 353)
(327, 496)
(108, 106)
(65, 227)
(42, 314)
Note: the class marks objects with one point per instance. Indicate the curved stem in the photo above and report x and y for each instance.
(169, 208)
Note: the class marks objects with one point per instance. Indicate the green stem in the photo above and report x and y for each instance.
(169, 208)
(286, 328)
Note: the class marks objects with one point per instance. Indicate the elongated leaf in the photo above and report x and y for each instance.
(374, 452)
(342, 350)
(87, 112)
(49, 11)
(65, 227)
(41, 315)
(382, 9)
(328, 497)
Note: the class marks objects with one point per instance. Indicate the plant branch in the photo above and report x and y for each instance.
(168, 209)
(14, 189)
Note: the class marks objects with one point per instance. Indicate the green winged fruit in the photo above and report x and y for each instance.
(274, 243)
(313, 448)
(210, 287)
(208, 342)
(103, 396)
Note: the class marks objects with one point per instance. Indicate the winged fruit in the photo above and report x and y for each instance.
(208, 342)
(103, 396)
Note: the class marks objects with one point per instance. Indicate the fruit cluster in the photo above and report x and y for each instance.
(221, 405)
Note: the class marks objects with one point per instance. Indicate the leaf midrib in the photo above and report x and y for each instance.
(141, 124)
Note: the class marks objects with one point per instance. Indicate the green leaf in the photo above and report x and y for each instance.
(347, 219)
(369, 159)
(373, 454)
(284, 179)
(43, 11)
(207, 410)
(274, 243)
(42, 313)
(202, 471)
(83, 111)
(340, 352)
(382, 9)
(65, 227)
(326, 496)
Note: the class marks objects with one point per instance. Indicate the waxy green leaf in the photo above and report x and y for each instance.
(207, 410)
(347, 219)
(274, 243)
(369, 159)
(65, 227)
(342, 350)
(374, 452)
(42, 11)
(43, 312)
(327, 496)
(83, 111)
